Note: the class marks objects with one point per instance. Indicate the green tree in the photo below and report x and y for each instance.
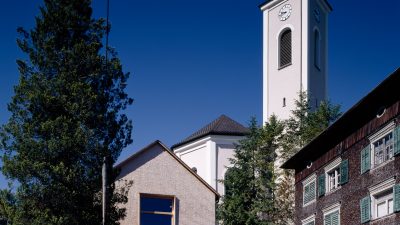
(250, 182)
(302, 126)
(66, 115)
(7, 206)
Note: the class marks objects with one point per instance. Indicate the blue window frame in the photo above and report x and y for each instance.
(157, 209)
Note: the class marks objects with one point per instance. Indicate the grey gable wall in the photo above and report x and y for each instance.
(155, 171)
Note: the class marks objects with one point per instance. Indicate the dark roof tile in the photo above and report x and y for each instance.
(223, 125)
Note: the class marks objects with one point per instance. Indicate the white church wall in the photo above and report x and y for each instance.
(224, 153)
(225, 147)
(317, 81)
(280, 83)
(198, 154)
(210, 156)
(302, 74)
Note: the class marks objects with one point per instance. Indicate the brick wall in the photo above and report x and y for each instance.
(350, 194)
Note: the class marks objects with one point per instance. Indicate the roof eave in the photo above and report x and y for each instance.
(205, 135)
(292, 163)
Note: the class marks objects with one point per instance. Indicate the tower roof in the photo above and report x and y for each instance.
(223, 125)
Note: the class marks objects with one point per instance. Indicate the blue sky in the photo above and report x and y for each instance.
(191, 61)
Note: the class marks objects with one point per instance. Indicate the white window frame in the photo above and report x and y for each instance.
(307, 181)
(331, 209)
(375, 137)
(308, 220)
(379, 189)
(331, 166)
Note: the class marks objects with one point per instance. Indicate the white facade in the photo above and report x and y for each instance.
(308, 23)
(210, 157)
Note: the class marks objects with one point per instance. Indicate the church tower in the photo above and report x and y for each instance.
(295, 54)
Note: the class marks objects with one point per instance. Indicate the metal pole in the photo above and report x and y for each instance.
(104, 181)
(105, 162)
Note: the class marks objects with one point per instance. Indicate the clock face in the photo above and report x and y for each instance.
(285, 12)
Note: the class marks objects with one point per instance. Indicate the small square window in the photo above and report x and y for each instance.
(156, 209)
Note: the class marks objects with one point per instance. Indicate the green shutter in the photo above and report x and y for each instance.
(396, 196)
(335, 218)
(311, 223)
(328, 219)
(306, 194)
(396, 140)
(366, 159)
(365, 209)
(312, 191)
(321, 185)
(344, 172)
(309, 193)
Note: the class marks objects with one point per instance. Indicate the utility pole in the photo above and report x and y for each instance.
(105, 159)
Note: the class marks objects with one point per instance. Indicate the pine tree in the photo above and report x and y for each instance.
(66, 115)
(249, 193)
(302, 126)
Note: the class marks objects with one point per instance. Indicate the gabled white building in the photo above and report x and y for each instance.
(208, 150)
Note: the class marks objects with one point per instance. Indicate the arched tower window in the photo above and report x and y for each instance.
(285, 48)
(317, 49)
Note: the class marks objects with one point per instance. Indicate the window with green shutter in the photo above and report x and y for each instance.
(332, 218)
(366, 159)
(321, 185)
(309, 192)
(335, 218)
(396, 136)
(310, 223)
(344, 172)
(396, 196)
(365, 209)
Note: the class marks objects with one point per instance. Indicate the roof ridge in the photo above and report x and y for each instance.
(219, 120)
(223, 125)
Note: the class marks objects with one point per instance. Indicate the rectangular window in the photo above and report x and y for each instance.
(383, 149)
(334, 179)
(157, 209)
(382, 199)
(332, 218)
(382, 145)
(332, 214)
(309, 190)
(309, 220)
(333, 175)
(384, 204)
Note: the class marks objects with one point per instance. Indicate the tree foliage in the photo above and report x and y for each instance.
(65, 117)
(250, 182)
(257, 191)
(302, 126)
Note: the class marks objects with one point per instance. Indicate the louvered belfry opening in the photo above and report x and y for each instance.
(285, 54)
